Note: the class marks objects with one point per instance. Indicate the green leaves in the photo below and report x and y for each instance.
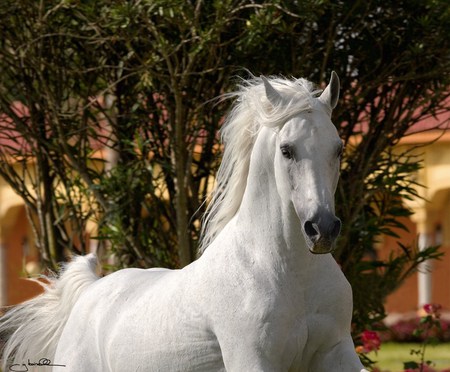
(135, 79)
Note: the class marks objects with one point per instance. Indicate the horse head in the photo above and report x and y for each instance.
(307, 164)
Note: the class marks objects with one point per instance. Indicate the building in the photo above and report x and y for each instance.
(430, 225)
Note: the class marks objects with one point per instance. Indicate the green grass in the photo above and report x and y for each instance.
(391, 356)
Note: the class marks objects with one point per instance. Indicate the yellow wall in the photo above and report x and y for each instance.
(429, 217)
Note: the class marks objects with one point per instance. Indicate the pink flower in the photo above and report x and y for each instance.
(371, 341)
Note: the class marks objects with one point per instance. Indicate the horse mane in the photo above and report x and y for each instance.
(250, 112)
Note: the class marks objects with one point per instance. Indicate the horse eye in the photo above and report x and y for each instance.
(286, 151)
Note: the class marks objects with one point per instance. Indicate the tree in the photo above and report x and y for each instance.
(132, 77)
(136, 78)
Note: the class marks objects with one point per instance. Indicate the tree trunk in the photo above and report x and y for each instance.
(181, 196)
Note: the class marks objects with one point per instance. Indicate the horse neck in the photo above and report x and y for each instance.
(270, 225)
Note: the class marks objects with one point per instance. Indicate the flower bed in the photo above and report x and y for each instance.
(405, 330)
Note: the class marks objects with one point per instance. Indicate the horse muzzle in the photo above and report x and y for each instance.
(321, 232)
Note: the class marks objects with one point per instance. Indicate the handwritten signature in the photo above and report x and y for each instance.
(43, 362)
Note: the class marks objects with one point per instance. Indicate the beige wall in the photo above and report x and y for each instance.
(429, 224)
(19, 257)
(430, 216)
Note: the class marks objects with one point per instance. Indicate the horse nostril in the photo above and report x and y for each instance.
(311, 229)
(336, 229)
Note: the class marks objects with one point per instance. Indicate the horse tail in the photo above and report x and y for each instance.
(33, 328)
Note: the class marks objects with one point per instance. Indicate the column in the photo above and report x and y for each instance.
(424, 274)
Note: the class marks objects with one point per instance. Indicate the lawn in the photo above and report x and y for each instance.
(392, 355)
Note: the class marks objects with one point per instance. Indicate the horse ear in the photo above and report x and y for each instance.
(272, 95)
(330, 95)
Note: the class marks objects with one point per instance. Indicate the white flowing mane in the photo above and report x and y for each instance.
(251, 111)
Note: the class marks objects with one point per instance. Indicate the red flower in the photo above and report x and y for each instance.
(432, 309)
(371, 341)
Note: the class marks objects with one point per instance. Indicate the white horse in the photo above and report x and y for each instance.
(266, 294)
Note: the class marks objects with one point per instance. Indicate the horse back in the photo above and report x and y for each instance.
(139, 319)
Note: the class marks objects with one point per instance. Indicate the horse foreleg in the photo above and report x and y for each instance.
(339, 358)
(247, 354)
(249, 361)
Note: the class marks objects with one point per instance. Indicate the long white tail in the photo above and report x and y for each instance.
(33, 328)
